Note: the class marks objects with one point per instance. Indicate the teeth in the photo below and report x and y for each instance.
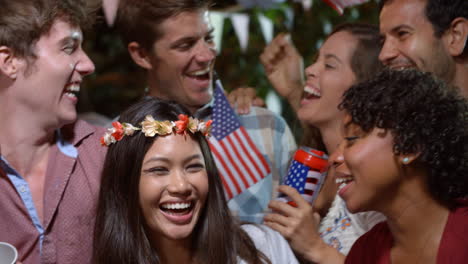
(201, 72)
(343, 180)
(73, 88)
(401, 67)
(312, 91)
(173, 206)
(70, 94)
(341, 186)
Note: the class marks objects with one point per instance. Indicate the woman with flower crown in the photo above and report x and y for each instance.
(162, 201)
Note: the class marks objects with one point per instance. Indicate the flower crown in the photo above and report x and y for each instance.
(152, 127)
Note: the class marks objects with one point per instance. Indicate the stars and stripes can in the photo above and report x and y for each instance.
(306, 173)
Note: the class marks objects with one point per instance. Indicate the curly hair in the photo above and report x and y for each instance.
(425, 116)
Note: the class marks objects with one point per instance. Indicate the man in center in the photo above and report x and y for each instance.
(173, 41)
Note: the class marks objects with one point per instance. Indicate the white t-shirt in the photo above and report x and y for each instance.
(270, 243)
(340, 228)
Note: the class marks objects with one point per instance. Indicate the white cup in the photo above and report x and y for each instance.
(8, 253)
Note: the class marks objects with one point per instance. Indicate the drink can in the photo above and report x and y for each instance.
(306, 173)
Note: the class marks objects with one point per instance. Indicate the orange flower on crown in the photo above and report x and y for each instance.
(118, 131)
(107, 139)
(151, 128)
(205, 127)
(181, 125)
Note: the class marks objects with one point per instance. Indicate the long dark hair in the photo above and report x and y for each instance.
(364, 63)
(120, 235)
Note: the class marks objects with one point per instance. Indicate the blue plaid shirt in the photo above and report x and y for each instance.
(274, 140)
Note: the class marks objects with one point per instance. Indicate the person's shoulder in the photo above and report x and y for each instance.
(87, 138)
(260, 233)
(372, 246)
(376, 236)
(271, 243)
(88, 130)
(253, 229)
(379, 230)
(453, 247)
(263, 236)
(456, 224)
(261, 117)
(263, 111)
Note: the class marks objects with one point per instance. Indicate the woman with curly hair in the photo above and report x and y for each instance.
(405, 154)
(162, 201)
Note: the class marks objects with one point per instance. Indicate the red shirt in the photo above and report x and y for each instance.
(374, 246)
(70, 197)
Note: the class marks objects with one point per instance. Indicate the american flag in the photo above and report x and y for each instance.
(239, 162)
(340, 5)
(307, 181)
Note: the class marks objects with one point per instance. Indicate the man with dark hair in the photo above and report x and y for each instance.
(430, 35)
(172, 40)
(50, 163)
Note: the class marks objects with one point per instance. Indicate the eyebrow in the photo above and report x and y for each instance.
(164, 159)
(189, 38)
(333, 56)
(397, 28)
(69, 39)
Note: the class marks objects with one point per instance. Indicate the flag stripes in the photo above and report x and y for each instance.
(240, 163)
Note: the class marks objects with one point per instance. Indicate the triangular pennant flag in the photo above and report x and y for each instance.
(240, 22)
(110, 10)
(340, 5)
(266, 25)
(307, 4)
(217, 21)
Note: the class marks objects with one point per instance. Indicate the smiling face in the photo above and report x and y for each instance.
(182, 60)
(173, 187)
(327, 78)
(367, 171)
(409, 40)
(49, 84)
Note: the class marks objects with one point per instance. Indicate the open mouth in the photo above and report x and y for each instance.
(180, 208)
(342, 182)
(72, 90)
(311, 92)
(200, 75)
(401, 65)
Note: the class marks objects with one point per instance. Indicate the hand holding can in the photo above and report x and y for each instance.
(306, 174)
